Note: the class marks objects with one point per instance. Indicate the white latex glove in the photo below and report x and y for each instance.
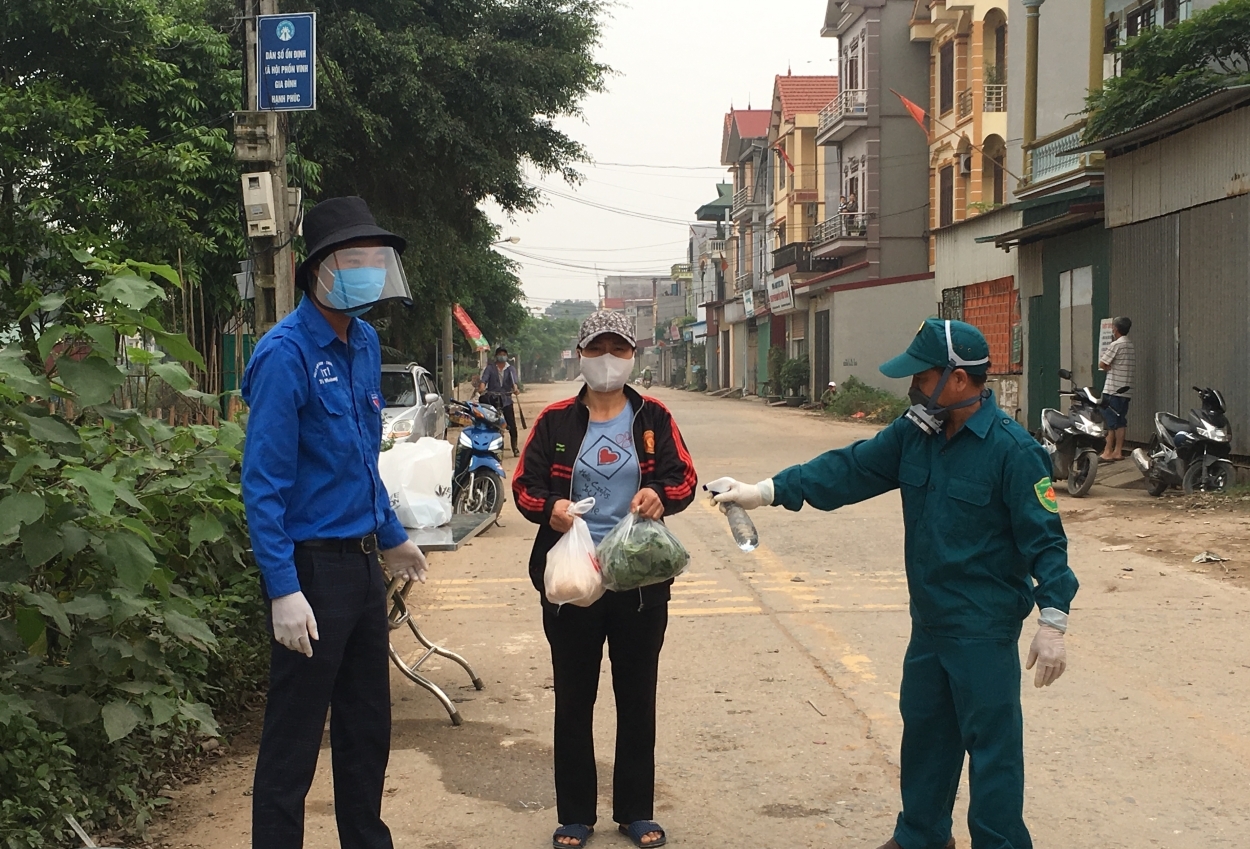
(748, 496)
(1048, 653)
(294, 625)
(405, 561)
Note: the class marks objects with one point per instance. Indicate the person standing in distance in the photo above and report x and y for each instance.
(611, 443)
(499, 383)
(984, 545)
(319, 515)
(1119, 361)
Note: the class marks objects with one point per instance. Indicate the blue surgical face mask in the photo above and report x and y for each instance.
(355, 289)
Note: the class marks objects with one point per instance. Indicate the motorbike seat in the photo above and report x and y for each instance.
(1057, 420)
(1173, 424)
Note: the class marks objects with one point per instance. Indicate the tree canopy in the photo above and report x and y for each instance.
(1165, 68)
(115, 136)
(426, 108)
(539, 342)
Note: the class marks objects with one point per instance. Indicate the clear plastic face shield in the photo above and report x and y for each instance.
(925, 411)
(354, 278)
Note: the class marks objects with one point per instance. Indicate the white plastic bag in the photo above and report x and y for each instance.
(417, 477)
(572, 575)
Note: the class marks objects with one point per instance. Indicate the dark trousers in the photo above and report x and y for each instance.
(349, 675)
(961, 695)
(634, 637)
(509, 416)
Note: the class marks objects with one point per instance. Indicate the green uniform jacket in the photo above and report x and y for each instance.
(981, 521)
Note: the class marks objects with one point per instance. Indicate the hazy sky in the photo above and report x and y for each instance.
(679, 65)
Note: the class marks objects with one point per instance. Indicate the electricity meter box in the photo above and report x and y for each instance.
(258, 205)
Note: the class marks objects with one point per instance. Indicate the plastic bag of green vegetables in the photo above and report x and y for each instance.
(639, 552)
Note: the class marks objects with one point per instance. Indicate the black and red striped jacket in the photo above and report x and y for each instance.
(544, 474)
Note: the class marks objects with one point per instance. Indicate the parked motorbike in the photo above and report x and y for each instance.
(478, 475)
(1190, 453)
(1075, 440)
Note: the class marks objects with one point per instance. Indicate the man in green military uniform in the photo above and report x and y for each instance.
(984, 545)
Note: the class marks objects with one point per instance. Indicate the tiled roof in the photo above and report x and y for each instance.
(806, 95)
(752, 123)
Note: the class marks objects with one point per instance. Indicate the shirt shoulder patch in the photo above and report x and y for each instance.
(1046, 494)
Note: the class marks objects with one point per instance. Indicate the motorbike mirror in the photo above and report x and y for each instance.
(431, 398)
(1065, 374)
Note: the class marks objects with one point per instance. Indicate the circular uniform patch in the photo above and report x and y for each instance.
(1046, 494)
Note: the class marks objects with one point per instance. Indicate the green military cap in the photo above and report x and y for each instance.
(940, 343)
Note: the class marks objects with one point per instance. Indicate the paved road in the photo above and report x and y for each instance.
(779, 688)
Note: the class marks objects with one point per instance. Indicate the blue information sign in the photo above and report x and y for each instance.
(286, 61)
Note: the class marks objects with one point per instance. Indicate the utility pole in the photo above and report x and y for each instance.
(274, 261)
(449, 377)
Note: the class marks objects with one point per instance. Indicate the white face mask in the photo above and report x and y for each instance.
(606, 373)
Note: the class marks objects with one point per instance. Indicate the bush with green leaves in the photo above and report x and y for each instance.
(129, 610)
(1165, 68)
(877, 405)
(795, 375)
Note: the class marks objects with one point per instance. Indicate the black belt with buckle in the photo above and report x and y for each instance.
(354, 545)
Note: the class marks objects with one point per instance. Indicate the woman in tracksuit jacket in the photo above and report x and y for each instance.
(565, 443)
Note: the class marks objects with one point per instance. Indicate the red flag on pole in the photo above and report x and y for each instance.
(789, 164)
(916, 112)
(470, 329)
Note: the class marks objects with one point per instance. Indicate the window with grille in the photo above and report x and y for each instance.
(1140, 20)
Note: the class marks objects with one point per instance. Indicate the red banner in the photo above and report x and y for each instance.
(470, 329)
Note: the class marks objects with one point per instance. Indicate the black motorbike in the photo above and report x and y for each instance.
(1190, 453)
(1075, 440)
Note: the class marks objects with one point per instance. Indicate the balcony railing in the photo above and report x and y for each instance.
(714, 247)
(681, 271)
(1045, 160)
(965, 103)
(744, 197)
(744, 281)
(842, 226)
(853, 101)
(799, 255)
(995, 98)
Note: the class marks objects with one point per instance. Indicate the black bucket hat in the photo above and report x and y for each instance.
(332, 223)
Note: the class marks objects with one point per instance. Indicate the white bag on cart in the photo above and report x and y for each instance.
(572, 575)
(417, 477)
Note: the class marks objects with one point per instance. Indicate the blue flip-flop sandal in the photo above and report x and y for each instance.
(637, 829)
(577, 831)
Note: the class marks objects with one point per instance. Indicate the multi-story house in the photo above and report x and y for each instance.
(968, 178)
(967, 106)
(708, 256)
(744, 151)
(875, 217)
(798, 198)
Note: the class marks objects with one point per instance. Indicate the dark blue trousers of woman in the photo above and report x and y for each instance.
(348, 675)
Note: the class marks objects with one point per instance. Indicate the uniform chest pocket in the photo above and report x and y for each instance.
(910, 474)
(970, 492)
(333, 400)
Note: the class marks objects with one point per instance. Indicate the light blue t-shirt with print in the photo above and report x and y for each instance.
(607, 470)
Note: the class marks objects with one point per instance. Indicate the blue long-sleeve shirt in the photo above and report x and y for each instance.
(314, 431)
(983, 539)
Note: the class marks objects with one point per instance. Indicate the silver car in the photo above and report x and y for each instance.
(413, 406)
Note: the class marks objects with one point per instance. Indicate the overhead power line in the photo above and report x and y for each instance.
(646, 216)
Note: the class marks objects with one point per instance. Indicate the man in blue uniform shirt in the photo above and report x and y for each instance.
(984, 545)
(319, 515)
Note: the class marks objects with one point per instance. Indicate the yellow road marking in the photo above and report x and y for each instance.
(712, 611)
